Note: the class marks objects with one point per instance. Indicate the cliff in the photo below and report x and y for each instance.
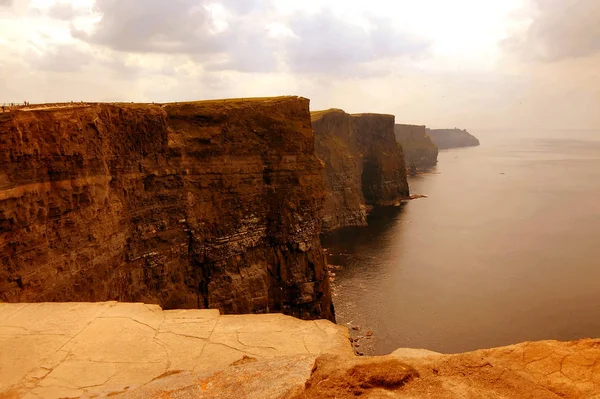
(452, 138)
(384, 172)
(419, 151)
(212, 204)
(133, 350)
(363, 165)
(336, 146)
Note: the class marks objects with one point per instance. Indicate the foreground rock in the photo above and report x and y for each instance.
(452, 138)
(363, 165)
(419, 151)
(534, 370)
(132, 350)
(58, 350)
(212, 204)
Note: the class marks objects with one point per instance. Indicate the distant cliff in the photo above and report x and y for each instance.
(419, 151)
(363, 165)
(208, 204)
(335, 145)
(452, 138)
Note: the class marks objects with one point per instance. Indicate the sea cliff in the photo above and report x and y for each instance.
(212, 204)
(363, 165)
(419, 151)
(452, 138)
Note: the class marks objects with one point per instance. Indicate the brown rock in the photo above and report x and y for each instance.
(363, 165)
(536, 370)
(419, 151)
(384, 171)
(452, 138)
(211, 204)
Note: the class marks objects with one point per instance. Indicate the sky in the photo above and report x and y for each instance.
(475, 64)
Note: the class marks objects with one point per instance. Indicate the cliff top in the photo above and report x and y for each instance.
(237, 101)
(228, 101)
(410, 125)
(370, 114)
(448, 130)
(316, 115)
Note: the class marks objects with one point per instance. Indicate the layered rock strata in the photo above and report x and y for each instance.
(419, 151)
(212, 204)
(363, 165)
(452, 138)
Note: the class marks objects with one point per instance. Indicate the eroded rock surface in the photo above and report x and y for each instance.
(58, 350)
(536, 370)
(452, 138)
(212, 204)
(419, 151)
(363, 165)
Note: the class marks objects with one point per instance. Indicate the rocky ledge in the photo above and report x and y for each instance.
(452, 138)
(419, 151)
(132, 350)
(363, 165)
(210, 204)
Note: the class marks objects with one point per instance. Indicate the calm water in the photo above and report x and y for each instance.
(506, 248)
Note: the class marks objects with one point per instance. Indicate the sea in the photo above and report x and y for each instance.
(505, 248)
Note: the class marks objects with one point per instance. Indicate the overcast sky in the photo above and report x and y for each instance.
(467, 63)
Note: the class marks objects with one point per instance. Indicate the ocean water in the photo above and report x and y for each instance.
(505, 249)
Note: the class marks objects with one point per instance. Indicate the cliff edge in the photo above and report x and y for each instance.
(452, 138)
(211, 204)
(419, 151)
(363, 165)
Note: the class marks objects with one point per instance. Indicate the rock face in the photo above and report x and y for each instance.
(363, 165)
(133, 350)
(419, 151)
(212, 204)
(336, 146)
(452, 138)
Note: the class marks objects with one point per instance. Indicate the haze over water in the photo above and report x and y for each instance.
(506, 248)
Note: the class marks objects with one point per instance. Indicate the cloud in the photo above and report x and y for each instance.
(62, 11)
(560, 29)
(222, 35)
(325, 43)
(236, 35)
(176, 26)
(61, 58)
